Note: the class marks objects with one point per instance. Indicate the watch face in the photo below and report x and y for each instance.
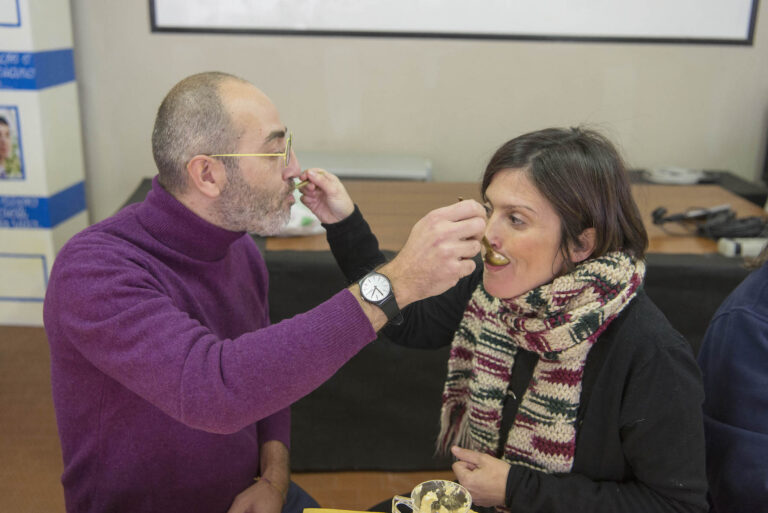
(375, 287)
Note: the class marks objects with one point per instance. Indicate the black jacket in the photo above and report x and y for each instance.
(640, 435)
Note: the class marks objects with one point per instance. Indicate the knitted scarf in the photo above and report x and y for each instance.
(560, 321)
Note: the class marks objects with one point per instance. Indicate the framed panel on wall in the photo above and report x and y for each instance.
(9, 13)
(730, 22)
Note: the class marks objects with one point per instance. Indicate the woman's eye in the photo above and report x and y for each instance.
(488, 210)
(515, 220)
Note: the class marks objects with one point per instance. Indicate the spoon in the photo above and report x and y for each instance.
(491, 255)
(303, 183)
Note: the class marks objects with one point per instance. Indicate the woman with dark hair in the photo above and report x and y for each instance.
(567, 389)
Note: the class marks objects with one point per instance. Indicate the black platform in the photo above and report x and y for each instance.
(380, 411)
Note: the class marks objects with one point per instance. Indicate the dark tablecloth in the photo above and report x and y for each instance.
(380, 411)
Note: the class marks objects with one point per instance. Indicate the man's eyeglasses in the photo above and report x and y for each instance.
(286, 154)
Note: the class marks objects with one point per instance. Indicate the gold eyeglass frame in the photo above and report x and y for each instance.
(286, 154)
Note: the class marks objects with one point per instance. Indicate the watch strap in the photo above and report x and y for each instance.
(390, 308)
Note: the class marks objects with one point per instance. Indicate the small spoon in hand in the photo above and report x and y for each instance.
(303, 183)
(491, 255)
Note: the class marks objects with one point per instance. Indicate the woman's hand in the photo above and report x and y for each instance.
(484, 476)
(325, 196)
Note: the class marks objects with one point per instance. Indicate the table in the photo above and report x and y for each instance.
(755, 192)
(392, 208)
(380, 411)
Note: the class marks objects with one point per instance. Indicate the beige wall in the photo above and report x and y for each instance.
(452, 101)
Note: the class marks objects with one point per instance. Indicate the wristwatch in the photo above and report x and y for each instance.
(377, 289)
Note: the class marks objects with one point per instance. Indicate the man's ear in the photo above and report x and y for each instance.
(207, 175)
(585, 246)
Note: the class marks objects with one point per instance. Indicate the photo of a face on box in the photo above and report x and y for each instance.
(11, 164)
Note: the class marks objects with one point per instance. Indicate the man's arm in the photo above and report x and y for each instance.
(269, 493)
(275, 466)
(437, 254)
(104, 290)
(427, 324)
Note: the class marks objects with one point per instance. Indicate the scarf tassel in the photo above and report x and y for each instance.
(567, 316)
(454, 429)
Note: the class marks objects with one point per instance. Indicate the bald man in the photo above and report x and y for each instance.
(171, 388)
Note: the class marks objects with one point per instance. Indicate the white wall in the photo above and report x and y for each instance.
(452, 101)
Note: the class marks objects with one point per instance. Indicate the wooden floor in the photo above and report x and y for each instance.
(30, 457)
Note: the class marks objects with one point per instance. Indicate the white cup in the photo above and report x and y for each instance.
(436, 496)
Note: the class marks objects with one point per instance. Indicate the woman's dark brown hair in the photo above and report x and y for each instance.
(583, 176)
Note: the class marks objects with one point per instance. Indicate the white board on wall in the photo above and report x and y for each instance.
(708, 21)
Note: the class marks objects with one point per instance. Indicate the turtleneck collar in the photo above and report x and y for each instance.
(174, 225)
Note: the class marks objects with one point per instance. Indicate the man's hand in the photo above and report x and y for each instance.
(260, 497)
(325, 196)
(438, 252)
(484, 476)
(269, 493)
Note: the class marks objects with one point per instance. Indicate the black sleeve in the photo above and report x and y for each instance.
(432, 322)
(662, 441)
(428, 324)
(354, 246)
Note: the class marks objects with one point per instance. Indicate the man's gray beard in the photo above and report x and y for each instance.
(242, 208)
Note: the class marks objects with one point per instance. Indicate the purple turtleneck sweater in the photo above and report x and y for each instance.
(166, 374)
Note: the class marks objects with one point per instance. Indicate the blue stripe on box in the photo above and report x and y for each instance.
(36, 70)
(67, 203)
(34, 212)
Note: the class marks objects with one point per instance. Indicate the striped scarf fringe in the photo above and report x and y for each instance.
(559, 321)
